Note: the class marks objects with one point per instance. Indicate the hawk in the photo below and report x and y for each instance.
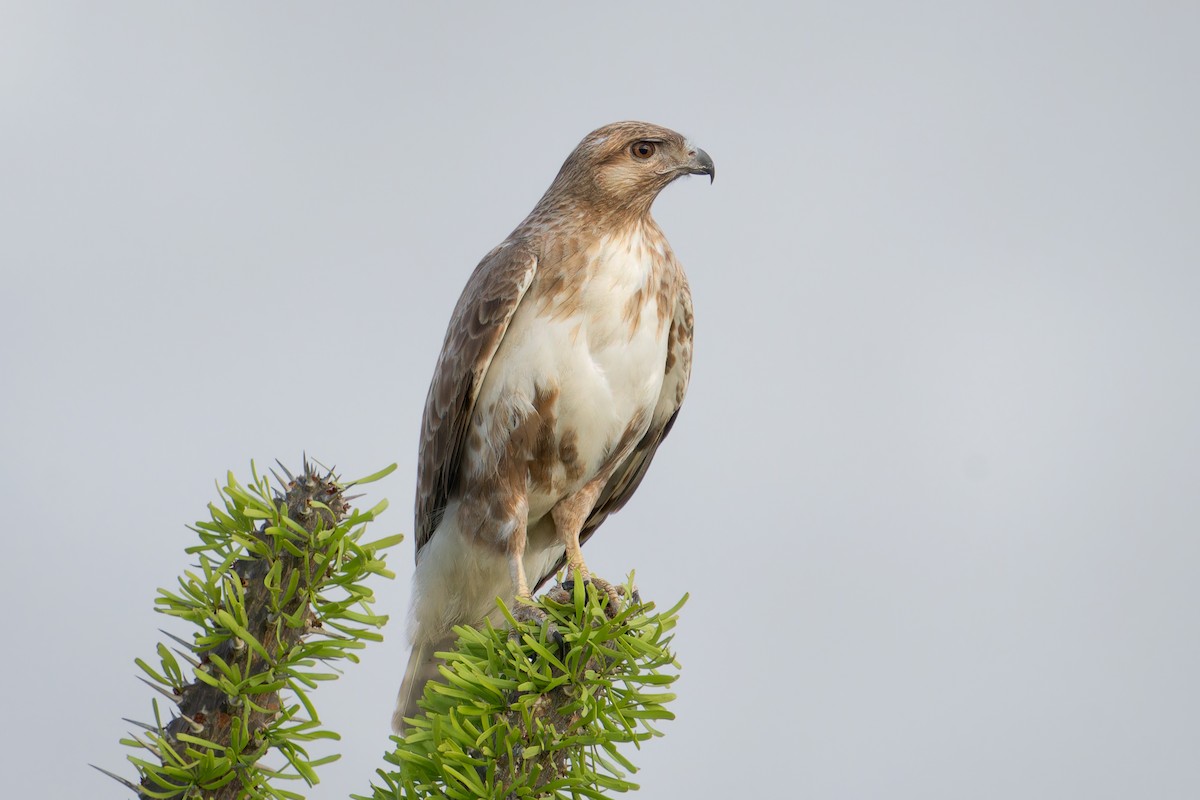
(563, 368)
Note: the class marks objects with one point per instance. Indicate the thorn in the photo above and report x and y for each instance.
(186, 657)
(354, 497)
(150, 728)
(169, 695)
(281, 481)
(142, 743)
(157, 753)
(323, 631)
(322, 466)
(291, 477)
(189, 645)
(196, 726)
(131, 787)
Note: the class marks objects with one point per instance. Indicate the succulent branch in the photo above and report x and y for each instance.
(278, 588)
(540, 710)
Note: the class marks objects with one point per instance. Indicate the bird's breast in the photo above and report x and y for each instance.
(580, 368)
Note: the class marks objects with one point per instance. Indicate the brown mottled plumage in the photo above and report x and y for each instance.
(564, 366)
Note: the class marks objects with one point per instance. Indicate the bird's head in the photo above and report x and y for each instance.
(623, 166)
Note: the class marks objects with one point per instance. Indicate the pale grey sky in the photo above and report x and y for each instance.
(935, 487)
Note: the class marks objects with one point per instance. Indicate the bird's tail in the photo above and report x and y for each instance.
(422, 668)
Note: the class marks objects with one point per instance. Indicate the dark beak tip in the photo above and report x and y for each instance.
(704, 165)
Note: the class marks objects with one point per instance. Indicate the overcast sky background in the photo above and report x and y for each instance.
(934, 491)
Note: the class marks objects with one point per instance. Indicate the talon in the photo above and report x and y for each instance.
(561, 593)
(531, 613)
(555, 635)
(527, 612)
(615, 594)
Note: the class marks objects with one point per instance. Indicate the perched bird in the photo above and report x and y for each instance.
(564, 366)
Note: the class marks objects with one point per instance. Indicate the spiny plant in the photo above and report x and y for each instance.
(540, 710)
(278, 589)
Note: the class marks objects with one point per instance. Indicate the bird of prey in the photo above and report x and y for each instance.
(563, 368)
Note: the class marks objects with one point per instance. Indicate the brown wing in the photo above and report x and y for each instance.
(628, 476)
(478, 324)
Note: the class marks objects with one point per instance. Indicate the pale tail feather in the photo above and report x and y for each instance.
(422, 668)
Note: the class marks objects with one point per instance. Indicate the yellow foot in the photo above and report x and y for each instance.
(525, 611)
(616, 594)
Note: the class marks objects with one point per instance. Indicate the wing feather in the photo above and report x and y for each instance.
(478, 324)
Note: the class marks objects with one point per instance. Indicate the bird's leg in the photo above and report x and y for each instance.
(524, 609)
(516, 569)
(569, 515)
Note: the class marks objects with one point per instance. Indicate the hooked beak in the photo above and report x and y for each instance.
(701, 163)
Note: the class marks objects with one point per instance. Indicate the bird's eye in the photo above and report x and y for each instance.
(643, 150)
